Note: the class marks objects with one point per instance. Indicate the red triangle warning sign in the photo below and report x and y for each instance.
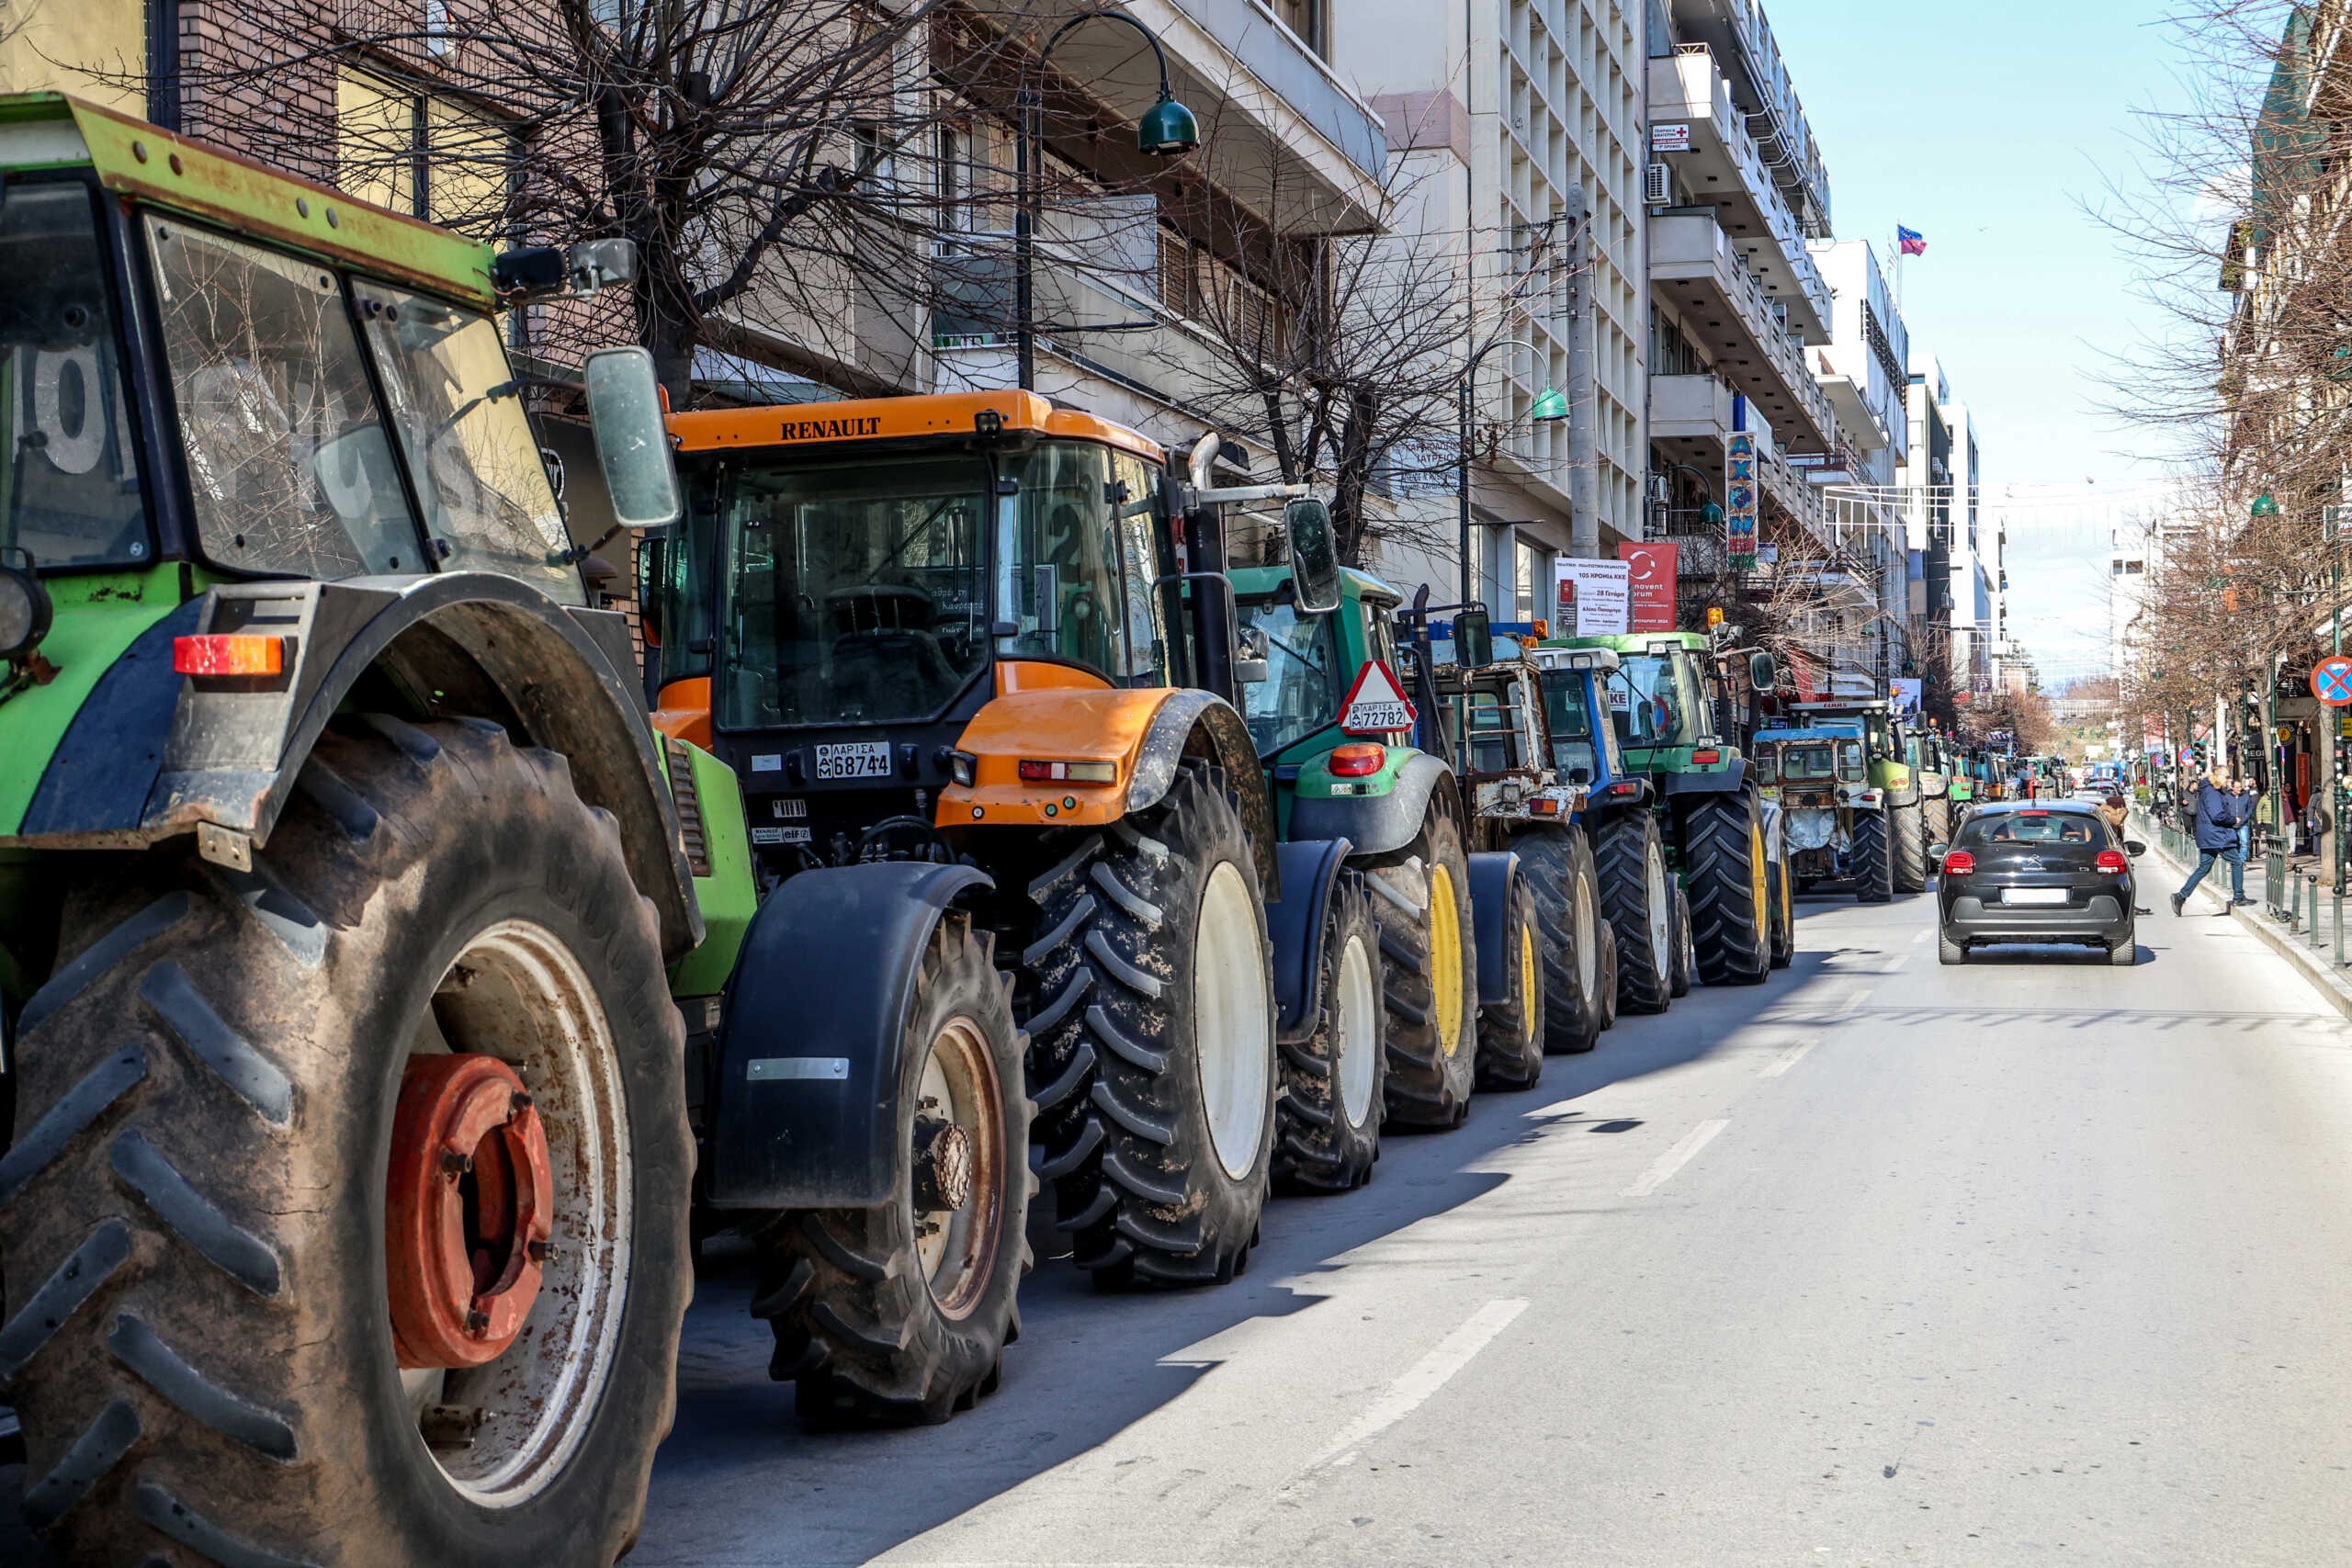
(1376, 704)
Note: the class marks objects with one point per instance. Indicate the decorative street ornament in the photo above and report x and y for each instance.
(1739, 500)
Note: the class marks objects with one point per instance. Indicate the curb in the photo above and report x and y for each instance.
(2315, 968)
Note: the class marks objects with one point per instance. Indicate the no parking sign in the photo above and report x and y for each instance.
(2332, 681)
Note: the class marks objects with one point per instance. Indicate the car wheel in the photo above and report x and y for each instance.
(1949, 951)
(2125, 954)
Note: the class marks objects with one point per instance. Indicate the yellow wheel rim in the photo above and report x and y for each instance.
(1759, 873)
(1787, 902)
(1527, 980)
(1445, 957)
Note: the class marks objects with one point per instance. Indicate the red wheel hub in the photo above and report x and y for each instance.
(466, 1211)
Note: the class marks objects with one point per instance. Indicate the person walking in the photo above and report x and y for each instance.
(2218, 813)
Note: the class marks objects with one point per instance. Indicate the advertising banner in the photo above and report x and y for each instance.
(1595, 597)
(1652, 570)
(1739, 499)
(1906, 695)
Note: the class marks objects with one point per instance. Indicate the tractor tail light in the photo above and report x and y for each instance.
(1034, 771)
(237, 653)
(1706, 759)
(1960, 862)
(1545, 806)
(1358, 760)
(2112, 864)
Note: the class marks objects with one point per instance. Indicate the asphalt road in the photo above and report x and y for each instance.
(2030, 1261)
(2034, 1261)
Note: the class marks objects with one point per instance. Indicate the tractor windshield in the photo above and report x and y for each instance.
(1567, 710)
(1805, 764)
(69, 479)
(856, 593)
(1301, 691)
(1663, 709)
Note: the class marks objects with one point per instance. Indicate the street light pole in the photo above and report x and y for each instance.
(1168, 130)
(1549, 407)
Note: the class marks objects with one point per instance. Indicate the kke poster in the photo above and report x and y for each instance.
(1652, 570)
(1595, 597)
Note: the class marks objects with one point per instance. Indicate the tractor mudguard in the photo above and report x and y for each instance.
(227, 753)
(803, 1106)
(1727, 782)
(1183, 715)
(1310, 867)
(1376, 824)
(1492, 875)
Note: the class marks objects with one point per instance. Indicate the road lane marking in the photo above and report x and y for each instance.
(1918, 939)
(1667, 1164)
(1419, 1381)
(1786, 1060)
(1853, 1003)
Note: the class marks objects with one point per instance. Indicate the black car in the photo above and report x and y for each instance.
(2024, 871)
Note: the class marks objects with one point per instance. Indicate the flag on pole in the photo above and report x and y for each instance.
(1914, 243)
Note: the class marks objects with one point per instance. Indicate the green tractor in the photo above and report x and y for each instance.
(1896, 830)
(1680, 711)
(344, 886)
(1927, 754)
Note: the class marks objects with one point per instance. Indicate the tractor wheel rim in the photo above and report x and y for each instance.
(1588, 941)
(1528, 982)
(1760, 875)
(501, 1431)
(1232, 1036)
(956, 1169)
(1358, 1007)
(1661, 913)
(1445, 957)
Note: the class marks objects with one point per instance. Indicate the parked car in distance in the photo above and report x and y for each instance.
(2048, 872)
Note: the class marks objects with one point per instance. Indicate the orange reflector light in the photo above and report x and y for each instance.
(1034, 771)
(236, 653)
(1358, 760)
(1545, 806)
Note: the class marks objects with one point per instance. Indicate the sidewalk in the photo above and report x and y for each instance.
(2316, 964)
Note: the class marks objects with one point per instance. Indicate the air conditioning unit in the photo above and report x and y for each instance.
(1657, 185)
(1661, 488)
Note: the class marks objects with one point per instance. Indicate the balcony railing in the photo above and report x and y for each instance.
(1689, 244)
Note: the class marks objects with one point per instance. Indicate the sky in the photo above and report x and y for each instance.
(1987, 128)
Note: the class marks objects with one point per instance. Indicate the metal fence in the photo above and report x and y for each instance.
(2303, 901)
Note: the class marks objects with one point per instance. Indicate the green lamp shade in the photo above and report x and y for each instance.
(1549, 407)
(1168, 129)
(2265, 506)
(1711, 513)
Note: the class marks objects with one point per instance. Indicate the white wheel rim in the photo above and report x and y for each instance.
(1661, 915)
(1352, 1031)
(956, 1247)
(1232, 1036)
(1587, 940)
(517, 993)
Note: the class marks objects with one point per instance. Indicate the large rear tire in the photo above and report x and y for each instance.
(1511, 1028)
(1908, 825)
(1637, 896)
(1432, 977)
(1874, 865)
(900, 1313)
(1731, 901)
(1939, 815)
(221, 1130)
(1328, 1136)
(1557, 863)
(1148, 988)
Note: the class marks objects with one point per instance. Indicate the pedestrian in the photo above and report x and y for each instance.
(2217, 816)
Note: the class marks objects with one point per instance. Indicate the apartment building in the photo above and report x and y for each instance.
(1865, 369)
(1521, 121)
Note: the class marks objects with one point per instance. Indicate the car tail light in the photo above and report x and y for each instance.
(1960, 862)
(1358, 760)
(1033, 771)
(2112, 864)
(239, 653)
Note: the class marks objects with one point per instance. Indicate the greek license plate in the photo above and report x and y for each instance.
(2033, 896)
(854, 760)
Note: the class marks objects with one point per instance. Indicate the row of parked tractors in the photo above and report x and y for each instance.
(406, 961)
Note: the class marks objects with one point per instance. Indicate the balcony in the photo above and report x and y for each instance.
(1693, 264)
(1691, 419)
(1726, 166)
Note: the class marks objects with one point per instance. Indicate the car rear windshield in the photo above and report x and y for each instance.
(2034, 828)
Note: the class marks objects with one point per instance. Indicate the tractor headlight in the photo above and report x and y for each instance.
(24, 605)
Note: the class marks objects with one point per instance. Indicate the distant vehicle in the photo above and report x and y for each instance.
(2038, 873)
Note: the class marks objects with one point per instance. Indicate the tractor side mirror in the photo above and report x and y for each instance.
(1313, 557)
(1762, 673)
(1473, 639)
(632, 437)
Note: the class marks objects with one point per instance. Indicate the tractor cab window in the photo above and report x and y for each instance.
(69, 470)
(1662, 706)
(289, 467)
(1065, 576)
(458, 410)
(1568, 713)
(1486, 720)
(856, 591)
(1301, 691)
(1805, 764)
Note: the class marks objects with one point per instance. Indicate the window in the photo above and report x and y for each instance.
(69, 472)
(421, 153)
(1301, 691)
(1059, 568)
(1152, 606)
(289, 464)
(1531, 570)
(469, 441)
(1307, 18)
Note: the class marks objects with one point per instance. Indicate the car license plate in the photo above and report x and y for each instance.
(854, 760)
(2033, 896)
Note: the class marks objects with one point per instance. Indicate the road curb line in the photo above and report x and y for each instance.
(2316, 970)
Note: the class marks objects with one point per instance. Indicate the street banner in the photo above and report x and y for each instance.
(1376, 704)
(1653, 571)
(1596, 596)
(1906, 695)
(1739, 499)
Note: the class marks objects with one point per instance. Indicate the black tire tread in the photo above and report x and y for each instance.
(1873, 858)
(1619, 852)
(1428, 1085)
(1907, 827)
(1721, 834)
(1511, 1028)
(1316, 1148)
